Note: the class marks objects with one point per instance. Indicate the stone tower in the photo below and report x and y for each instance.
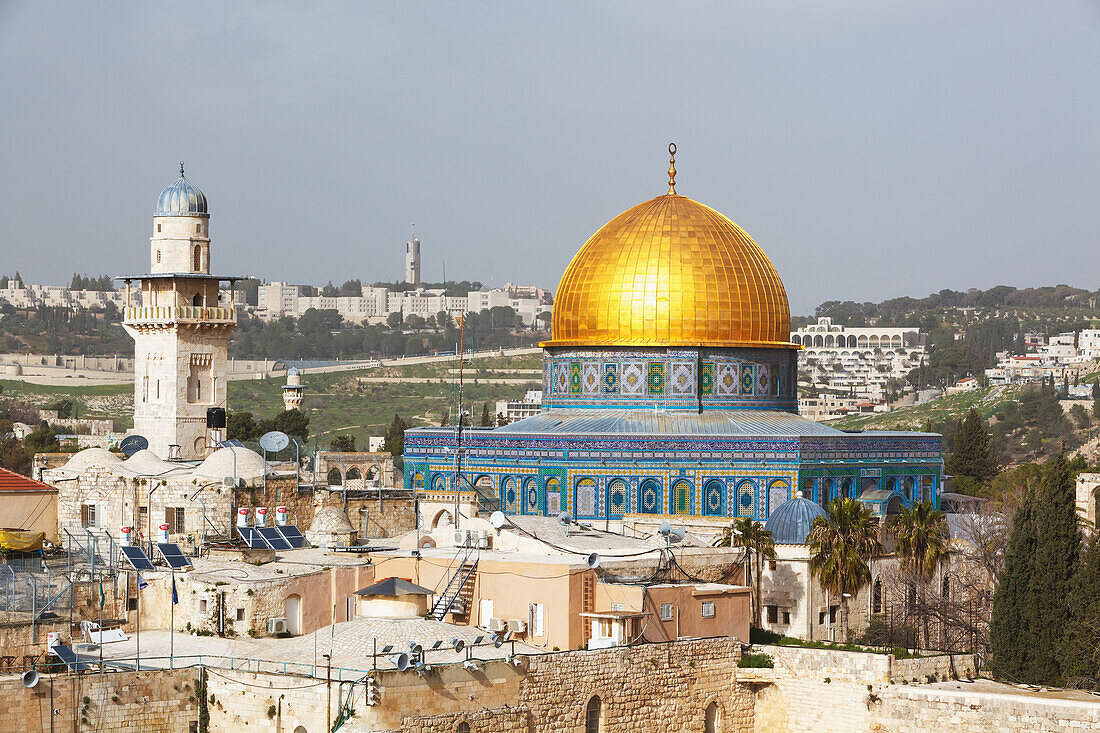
(412, 261)
(180, 331)
(293, 390)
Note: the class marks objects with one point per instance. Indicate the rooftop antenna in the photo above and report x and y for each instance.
(181, 169)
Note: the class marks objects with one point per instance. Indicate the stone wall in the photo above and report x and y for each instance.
(396, 517)
(147, 701)
(822, 690)
(644, 688)
(918, 710)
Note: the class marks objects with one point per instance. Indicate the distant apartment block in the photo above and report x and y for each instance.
(375, 304)
(19, 295)
(857, 361)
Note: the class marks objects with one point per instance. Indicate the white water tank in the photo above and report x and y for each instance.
(124, 534)
(280, 516)
(162, 533)
(242, 517)
(261, 516)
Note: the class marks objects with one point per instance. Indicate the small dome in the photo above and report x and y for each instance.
(293, 372)
(248, 464)
(791, 521)
(331, 520)
(181, 198)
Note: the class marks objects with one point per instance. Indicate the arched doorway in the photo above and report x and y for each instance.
(354, 479)
(553, 497)
(293, 613)
(443, 519)
(778, 492)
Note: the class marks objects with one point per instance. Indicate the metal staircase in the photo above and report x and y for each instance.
(457, 594)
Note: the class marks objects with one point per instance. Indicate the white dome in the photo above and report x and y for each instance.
(331, 520)
(91, 457)
(147, 462)
(249, 464)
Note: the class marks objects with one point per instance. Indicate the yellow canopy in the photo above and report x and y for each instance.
(21, 540)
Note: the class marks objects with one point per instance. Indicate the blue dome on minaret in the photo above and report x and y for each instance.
(181, 198)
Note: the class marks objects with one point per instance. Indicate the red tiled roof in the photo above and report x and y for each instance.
(12, 481)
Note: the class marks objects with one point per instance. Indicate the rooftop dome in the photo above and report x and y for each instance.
(247, 464)
(791, 521)
(671, 272)
(181, 198)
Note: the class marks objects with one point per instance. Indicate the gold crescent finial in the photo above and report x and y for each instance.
(671, 169)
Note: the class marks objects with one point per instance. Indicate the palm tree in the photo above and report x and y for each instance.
(922, 542)
(841, 543)
(750, 534)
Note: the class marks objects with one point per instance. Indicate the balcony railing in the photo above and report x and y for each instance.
(182, 314)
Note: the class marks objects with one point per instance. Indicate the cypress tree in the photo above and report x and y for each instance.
(1081, 650)
(973, 454)
(1057, 553)
(1014, 618)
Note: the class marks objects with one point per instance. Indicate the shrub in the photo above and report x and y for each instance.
(763, 636)
(756, 660)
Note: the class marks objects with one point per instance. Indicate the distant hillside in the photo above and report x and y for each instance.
(1039, 305)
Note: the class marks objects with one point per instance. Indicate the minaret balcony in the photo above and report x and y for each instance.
(182, 314)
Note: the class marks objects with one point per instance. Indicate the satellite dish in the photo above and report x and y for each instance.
(131, 444)
(565, 519)
(30, 678)
(678, 533)
(457, 644)
(664, 529)
(498, 641)
(401, 661)
(497, 519)
(593, 560)
(274, 441)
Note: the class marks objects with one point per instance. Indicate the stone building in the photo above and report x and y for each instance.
(180, 332)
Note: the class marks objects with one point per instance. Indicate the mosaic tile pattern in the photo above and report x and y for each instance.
(682, 379)
(610, 377)
(633, 378)
(655, 378)
(590, 378)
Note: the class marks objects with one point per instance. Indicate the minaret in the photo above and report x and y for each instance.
(180, 332)
(412, 259)
(293, 390)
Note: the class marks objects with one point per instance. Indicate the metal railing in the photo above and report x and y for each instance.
(188, 313)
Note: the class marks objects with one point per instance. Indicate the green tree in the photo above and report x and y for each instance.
(241, 426)
(759, 542)
(294, 423)
(1057, 553)
(64, 409)
(973, 454)
(343, 443)
(1080, 416)
(922, 543)
(486, 416)
(921, 534)
(42, 440)
(13, 456)
(1096, 398)
(1014, 614)
(841, 543)
(395, 437)
(1081, 648)
(444, 417)
(393, 320)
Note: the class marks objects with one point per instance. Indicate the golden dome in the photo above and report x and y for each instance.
(671, 272)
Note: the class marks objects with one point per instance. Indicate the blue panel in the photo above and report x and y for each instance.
(137, 558)
(274, 540)
(174, 556)
(251, 538)
(293, 536)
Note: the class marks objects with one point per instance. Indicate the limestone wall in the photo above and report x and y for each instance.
(823, 690)
(148, 702)
(921, 709)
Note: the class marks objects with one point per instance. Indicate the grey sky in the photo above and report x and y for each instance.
(873, 148)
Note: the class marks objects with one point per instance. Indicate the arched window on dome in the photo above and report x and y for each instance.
(714, 498)
(509, 494)
(778, 492)
(746, 492)
(553, 496)
(650, 498)
(585, 498)
(681, 498)
(827, 492)
(616, 498)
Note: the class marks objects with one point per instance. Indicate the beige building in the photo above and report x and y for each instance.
(181, 334)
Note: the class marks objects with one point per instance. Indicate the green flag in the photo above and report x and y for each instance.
(102, 598)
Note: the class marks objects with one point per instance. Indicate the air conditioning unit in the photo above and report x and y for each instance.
(276, 625)
(484, 541)
(517, 625)
(497, 624)
(462, 537)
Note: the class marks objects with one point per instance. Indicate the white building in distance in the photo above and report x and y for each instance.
(858, 361)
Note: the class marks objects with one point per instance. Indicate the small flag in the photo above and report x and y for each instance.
(142, 585)
(102, 598)
(175, 596)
